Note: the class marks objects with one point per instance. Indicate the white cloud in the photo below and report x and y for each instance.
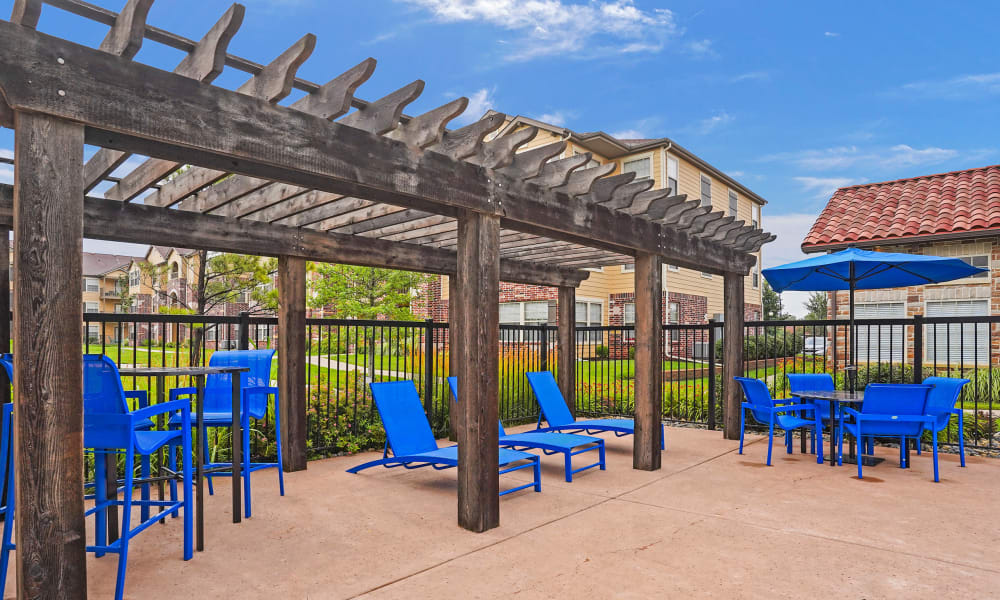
(823, 187)
(6, 174)
(629, 134)
(844, 157)
(831, 34)
(736, 173)
(551, 27)
(480, 101)
(962, 87)
(701, 49)
(710, 124)
(6, 153)
(791, 229)
(752, 76)
(557, 118)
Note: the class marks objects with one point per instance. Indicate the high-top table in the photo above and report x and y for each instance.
(199, 374)
(836, 398)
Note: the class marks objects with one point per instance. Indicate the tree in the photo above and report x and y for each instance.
(218, 279)
(772, 305)
(365, 292)
(816, 306)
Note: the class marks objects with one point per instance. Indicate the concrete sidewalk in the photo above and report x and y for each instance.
(711, 523)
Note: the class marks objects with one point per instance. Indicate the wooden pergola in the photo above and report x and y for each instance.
(329, 177)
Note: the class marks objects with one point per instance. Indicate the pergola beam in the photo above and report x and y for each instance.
(140, 224)
(281, 144)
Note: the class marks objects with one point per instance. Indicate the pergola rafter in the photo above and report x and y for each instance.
(329, 177)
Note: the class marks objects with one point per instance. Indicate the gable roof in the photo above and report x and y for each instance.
(100, 264)
(612, 148)
(942, 206)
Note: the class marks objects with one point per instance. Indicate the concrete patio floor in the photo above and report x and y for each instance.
(711, 523)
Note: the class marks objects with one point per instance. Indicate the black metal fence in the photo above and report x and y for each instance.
(345, 355)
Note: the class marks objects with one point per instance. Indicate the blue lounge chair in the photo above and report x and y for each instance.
(557, 415)
(408, 435)
(255, 386)
(889, 410)
(941, 404)
(764, 410)
(548, 442)
(110, 428)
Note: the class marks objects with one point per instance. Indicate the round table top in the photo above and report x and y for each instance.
(831, 395)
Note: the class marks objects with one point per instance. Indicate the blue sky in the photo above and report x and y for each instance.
(792, 98)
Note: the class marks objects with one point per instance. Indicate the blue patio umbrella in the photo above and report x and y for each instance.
(854, 269)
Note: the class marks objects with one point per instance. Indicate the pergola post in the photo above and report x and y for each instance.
(292, 361)
(48, 372)
(453, 354)
(567, 346)
(648, 361)
(478, 335)
(732, 353)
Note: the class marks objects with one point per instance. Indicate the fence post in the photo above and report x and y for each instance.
(711, 374)
(544, 340)
(243, 331)
(918, 348)
(429, 370)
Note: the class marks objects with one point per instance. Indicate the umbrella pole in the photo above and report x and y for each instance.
(852, 369)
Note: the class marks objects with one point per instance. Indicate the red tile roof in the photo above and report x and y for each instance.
(932, 205)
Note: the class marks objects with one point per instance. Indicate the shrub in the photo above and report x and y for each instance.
(631, 353)
(602, 352)
(773, 344)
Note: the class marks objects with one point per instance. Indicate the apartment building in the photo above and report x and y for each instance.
(607, 297)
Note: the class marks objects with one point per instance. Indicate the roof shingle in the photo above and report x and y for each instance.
(930, 205)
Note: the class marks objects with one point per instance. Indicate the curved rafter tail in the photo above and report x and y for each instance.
(468, 141)
(126, 35)
(428, 129)
(499, 152)
(556, 173)
(529, 164)
(382, 115)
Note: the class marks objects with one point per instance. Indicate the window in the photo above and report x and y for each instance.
(263, 332)
(755, 273)
(210, 333)
(734, 203)
(756, 216)
(706, 275)
(175, 270)
(91, 307)
(958, 343)
(880, 343)
(510, 313)
(628, 319)
(672, 175)
(673, 268)
(628, 268)
(706, 191)
(134, 277)
(523, 313)
(94, 332)
(536, 313)
(674, 317)
(91, 284)
(981, 261)
(639, 166)
(588, 314)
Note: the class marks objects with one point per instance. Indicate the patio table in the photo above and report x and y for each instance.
(199, 373)
(836, 398)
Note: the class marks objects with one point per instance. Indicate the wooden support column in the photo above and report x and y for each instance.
(48, 235)
(648, 361)
(292, 360)
(478, 319)
(453, 353)
(567, 346)
(732, 354)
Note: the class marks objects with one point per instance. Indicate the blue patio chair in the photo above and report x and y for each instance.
(557, 415)
(7, 477)
(800, 382)
(408, 435)
(889, 410)
(110, 428)
(764, 410)
(549, 442)
(255, 385)
(941, 404)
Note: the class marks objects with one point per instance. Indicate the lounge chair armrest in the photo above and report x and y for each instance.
(850, 411)
(141, 395)
(260, 389)
(162, 408)
(895, 418)
(176, 393)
